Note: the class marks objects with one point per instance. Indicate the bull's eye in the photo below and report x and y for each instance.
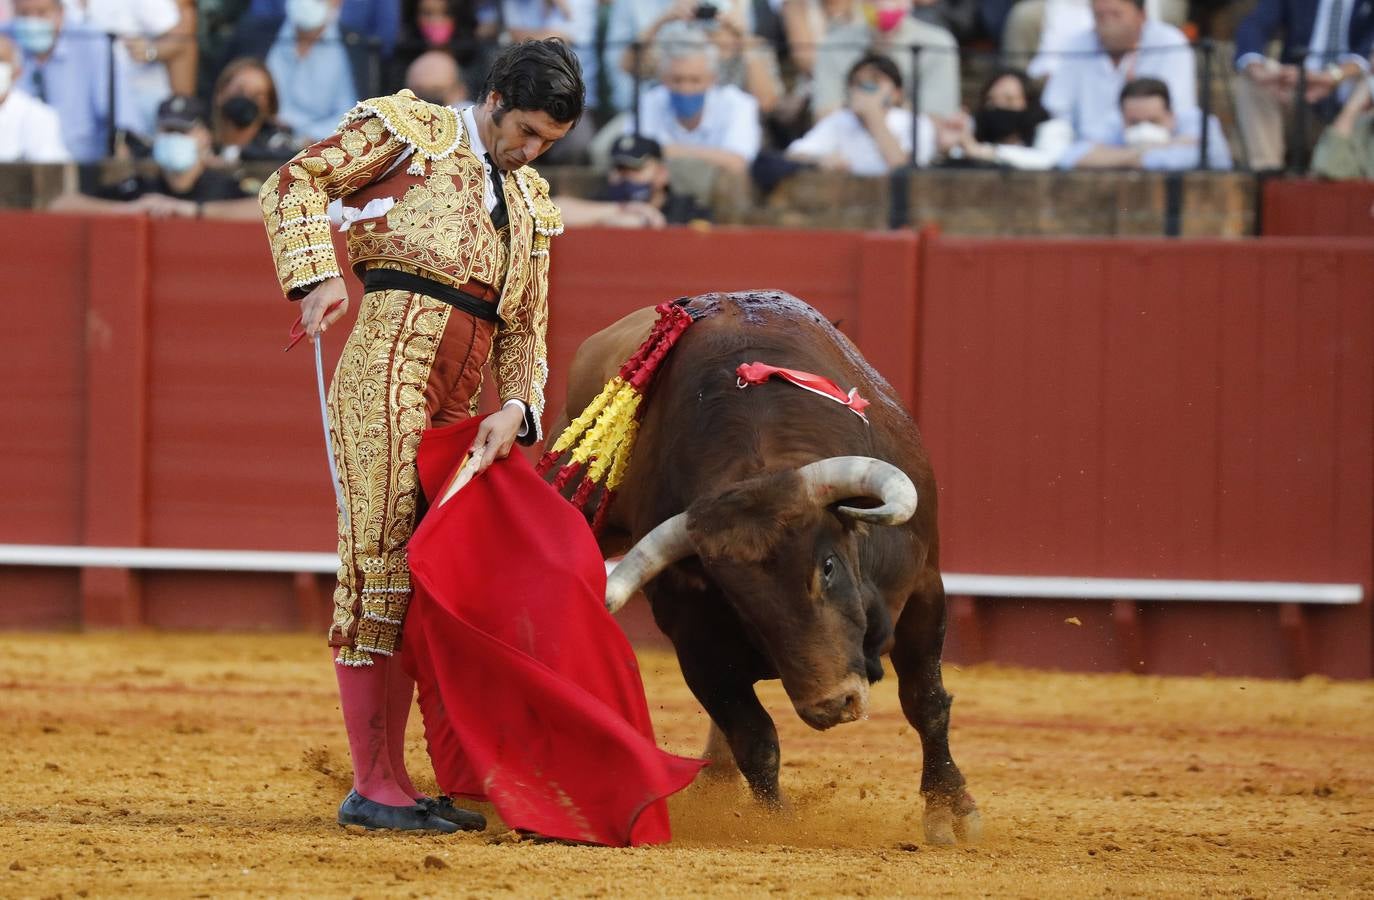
(828, 568)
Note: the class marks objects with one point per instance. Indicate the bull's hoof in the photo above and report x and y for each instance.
(949, 824)
(939, 822)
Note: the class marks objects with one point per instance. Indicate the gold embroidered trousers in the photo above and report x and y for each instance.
(410, 363)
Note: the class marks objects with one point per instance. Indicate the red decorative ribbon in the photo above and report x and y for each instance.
(758, 373)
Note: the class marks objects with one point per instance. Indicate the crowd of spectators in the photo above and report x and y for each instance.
(690, 97)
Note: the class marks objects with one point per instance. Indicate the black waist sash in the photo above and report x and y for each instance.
(394, 280)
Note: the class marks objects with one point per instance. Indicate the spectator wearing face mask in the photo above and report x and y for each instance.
(467, 30)
(871, 135)
(315, 63)
(638, 192)
(1122, 45)
(693, 117)
(184, 186)
(312, 69)
(886, 28)
(29, 130)
(435, 77)
(68, 67)
(244, 122)
(744, 59)
(1152, 135)
(1009, 128)
(377, 19)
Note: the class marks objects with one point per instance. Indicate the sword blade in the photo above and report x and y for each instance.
(328, 439)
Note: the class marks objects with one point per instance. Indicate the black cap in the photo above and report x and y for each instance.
(632, 151)
(180, 112)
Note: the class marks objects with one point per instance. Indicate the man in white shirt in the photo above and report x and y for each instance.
(29, 130)
(1122, 46)
(1153, 136)
(67, 65)
(1040, 28)
(871, 135)
(692, 117)
(311, 67)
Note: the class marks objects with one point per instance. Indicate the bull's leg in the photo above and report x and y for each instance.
(738, 715)
(722, 758)
(920, 635)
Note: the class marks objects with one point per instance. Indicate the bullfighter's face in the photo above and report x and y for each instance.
(520, 136)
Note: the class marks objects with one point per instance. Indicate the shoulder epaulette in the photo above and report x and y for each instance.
(429, 129)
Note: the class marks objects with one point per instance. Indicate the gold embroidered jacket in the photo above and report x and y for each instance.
(437, 226)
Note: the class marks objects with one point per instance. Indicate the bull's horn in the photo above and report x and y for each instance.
(840, 477)
(653, 553)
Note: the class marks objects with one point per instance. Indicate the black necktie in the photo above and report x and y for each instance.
(499, 216)
(40, 90)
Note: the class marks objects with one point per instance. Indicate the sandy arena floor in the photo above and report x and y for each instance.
(152, 765)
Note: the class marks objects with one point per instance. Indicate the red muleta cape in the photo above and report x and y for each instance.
(530, 692)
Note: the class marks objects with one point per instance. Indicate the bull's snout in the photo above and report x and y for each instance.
(848, 703)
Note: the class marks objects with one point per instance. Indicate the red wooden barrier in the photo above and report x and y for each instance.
(1156, 409)
(1149, 408)
(1301, 208)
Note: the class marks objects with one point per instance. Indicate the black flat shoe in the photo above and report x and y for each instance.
(358, 810)
(441, 807)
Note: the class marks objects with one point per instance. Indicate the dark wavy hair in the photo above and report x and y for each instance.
(1146, 87)
(540, 76)
(1029, 119)
(882, 63)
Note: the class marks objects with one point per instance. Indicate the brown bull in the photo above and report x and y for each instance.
(778, 535)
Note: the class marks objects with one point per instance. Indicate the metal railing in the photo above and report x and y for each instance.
(956, 583)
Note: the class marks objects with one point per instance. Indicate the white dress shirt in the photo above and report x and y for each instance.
(1052, 138)
(30, 131)
(489, 201)
(1064, 20)
(1086, 88)
(843, 133)
(475, 142)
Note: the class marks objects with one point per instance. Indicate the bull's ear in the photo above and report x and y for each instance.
(747, 520)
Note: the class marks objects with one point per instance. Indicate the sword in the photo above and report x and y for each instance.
(296, 333)
(329, 441)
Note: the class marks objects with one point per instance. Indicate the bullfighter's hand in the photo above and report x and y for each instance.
(495, 437)
(320, 298)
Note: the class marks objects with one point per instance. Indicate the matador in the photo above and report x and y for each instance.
(449, 229)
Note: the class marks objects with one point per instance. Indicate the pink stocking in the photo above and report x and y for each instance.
(363, 698)
(400, 694)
